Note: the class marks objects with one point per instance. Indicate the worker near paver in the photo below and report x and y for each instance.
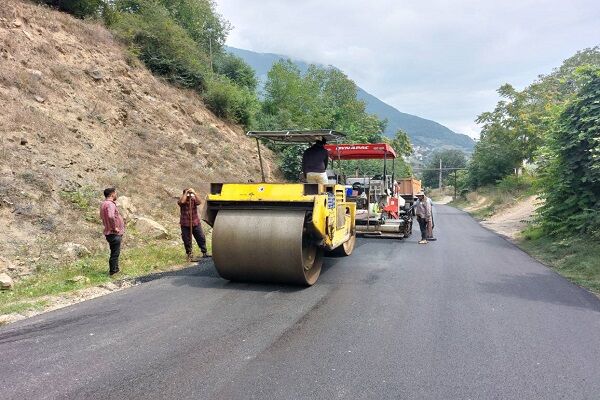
(431, 223)
(114, 228)
(424, 215)
(314, 163)
(190, 223)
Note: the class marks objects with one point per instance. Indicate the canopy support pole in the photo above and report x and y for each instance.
(262, 171)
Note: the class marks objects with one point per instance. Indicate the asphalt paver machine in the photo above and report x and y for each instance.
(279, 232)
(382, 207)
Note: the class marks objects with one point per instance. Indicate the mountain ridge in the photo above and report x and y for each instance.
(423, 132)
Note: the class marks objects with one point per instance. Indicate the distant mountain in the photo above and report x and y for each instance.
(423, 132)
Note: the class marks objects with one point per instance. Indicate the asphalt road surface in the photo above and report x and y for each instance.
(467, 317)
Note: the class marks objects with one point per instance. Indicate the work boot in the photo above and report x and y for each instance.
(206, 255)
(189, 258)
(422, 241)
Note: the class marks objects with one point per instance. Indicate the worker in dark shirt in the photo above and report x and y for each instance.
(314, 163)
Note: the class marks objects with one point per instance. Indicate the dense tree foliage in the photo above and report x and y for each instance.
(199, 18)
(79, 8)
(179, 40)
(401, 144)
(237, 70)
(518, 127)
(451, 158)
(553, 124)
(322, 98)
(161, 43)
(571, 169)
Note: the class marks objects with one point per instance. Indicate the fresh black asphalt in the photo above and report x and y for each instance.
(467, 317)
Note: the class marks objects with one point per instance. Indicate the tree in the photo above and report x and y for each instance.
(237, 70)
(518, 126)
(451, 158)
(571, 171)
(201, 20)
(160, 42)
(322, 98)
(79, 8)
(401, 143)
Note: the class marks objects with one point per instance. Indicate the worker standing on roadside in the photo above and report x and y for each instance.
(314, 163)
(424, 215)
(431, 223)
(114, 228)
(190, 223)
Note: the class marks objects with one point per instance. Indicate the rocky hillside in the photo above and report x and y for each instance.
(79, 113)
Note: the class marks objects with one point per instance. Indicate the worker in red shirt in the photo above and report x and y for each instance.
(114, 228)
(190, 223)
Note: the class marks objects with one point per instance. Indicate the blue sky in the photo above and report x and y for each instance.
(439, 59)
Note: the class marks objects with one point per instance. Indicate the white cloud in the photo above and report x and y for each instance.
(438, 59)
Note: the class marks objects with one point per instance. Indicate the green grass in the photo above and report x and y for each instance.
(24, 306)
(575, 258)
(28, 293)
(84, 200)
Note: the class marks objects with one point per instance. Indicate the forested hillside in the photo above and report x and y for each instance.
(422, 132)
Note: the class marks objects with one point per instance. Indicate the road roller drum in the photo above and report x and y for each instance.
(265, 246)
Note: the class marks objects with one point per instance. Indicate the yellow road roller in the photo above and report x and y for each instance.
(279, 232)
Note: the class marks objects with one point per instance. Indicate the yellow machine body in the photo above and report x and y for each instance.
(331, 217)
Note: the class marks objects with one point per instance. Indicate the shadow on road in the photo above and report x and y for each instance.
(543, 288)
(196, 277)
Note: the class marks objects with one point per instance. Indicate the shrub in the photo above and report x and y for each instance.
(237, 70)
(571, 176)
(515, 184)
(79, 8)
(231, 102)
(162, 44)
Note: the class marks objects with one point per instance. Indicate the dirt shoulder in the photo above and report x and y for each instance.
(512, 220)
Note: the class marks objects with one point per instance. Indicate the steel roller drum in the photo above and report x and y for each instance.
(265, 246)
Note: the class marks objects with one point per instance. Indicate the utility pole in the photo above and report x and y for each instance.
(440, 178)
(454, 184)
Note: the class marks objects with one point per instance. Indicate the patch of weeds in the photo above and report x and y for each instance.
(83, 199)
(23, 307)
(484, 212)
(575, 258)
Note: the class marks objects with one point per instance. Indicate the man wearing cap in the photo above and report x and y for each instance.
(424, 215)
(314, 163)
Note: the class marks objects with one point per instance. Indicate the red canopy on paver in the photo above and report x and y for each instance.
(362, 151)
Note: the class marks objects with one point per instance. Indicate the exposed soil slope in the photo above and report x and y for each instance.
(510, 221)
(79, 114)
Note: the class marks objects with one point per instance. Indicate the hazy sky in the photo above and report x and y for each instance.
(438, 59)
